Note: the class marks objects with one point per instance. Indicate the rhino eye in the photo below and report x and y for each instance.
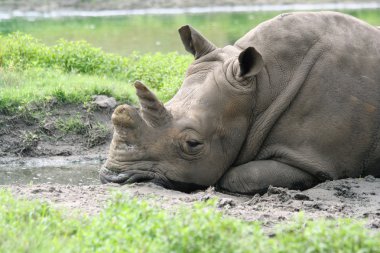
(193, 143)
(191, 147)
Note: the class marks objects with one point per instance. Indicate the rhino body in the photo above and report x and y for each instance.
(294, 102)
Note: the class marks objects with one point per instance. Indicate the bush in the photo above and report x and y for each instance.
(81, 57)
(158, 70)
(73, 71)
(21, 51)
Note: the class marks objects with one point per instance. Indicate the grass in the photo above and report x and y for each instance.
(95, 132)
(71, 72)
(72, 125)
(131, 225)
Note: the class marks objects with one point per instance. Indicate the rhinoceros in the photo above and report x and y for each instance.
(294, 102)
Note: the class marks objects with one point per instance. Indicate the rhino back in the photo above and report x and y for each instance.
(327, 122)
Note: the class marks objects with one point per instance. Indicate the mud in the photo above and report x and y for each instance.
(347, 198)
(73, 170)
(55, 130)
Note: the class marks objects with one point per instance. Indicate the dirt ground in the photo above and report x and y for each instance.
(353, 198)
(56, 130)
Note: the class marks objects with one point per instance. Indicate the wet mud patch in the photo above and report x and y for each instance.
(56, 130)
(72, 170)
(347, 198)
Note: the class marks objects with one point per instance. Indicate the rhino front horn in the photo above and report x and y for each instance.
(126, 116)
(153, 111)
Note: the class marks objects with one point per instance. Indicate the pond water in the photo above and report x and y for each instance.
(150, 33)
(54, 170)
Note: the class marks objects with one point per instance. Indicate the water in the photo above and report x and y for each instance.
(55, 170)
(192, 10)
(150, 33)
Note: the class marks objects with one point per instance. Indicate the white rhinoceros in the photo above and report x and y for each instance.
(294, 102)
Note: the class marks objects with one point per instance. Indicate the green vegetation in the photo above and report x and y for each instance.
(150, 33)
(95, 133)
(130, 225)
(72, 125)
(71, 72)
(29, 141)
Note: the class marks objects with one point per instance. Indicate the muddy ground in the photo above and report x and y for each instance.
(56, 129)
(353, 198)
(47, 135)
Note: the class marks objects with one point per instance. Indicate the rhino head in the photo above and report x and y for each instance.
(191, 141)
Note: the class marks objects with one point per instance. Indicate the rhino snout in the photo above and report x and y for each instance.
(127, 177)
(133, 176)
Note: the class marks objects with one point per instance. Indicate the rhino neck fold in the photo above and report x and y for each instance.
(263, 123)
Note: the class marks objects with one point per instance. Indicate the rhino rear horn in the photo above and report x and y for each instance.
(153, 111)
(194, 42)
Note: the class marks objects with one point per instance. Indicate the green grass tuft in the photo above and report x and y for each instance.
(131, 225)
(72, 125)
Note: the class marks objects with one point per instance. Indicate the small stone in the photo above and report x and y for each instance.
(205, 197)
(275, 190)
(375, 225)
(104, 101)
(301, 196)
(226, 203)
(254, 200)
(48, 127)
(34, 191)
(370, 178)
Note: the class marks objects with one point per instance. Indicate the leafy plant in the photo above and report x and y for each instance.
(29, 140)
(132, 225)
(72, 125)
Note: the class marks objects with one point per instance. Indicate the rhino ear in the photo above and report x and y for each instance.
(251, 62)
(194, 42)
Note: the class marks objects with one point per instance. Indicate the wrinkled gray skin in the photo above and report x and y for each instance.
(294, 102)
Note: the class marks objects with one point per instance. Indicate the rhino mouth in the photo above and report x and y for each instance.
(130, 177)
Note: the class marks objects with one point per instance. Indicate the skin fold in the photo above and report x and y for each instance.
(292, 103)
